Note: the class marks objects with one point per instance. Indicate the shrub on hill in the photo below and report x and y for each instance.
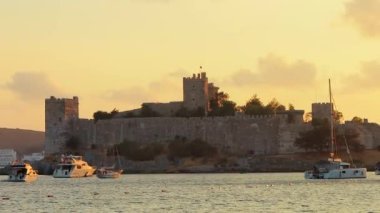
(139, 152)
(180, 148)
(147, 111)
(318, 138)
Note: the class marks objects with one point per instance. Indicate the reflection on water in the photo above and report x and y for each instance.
(263, 192)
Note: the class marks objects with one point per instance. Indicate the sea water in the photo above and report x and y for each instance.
(249, 192)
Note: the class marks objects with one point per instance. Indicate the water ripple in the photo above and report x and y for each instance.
(264, 192)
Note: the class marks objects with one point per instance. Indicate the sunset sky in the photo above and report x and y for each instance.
(120, 53)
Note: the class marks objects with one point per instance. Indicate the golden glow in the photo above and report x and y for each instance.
(115, 54)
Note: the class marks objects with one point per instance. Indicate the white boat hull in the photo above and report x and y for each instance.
(22, 178)
(74, 173)
(348, 173)
(22, 172)
(73, 167)
(107, 173)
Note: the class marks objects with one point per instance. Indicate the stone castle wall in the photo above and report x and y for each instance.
(240, 134)
(60, 115)
(260, 135)
(321, 110)
(369, 133)
(237, 134)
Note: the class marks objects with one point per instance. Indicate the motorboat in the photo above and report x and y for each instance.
(73, 167)
(22, 172)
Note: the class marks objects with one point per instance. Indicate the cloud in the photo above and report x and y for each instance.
(180, 73)
(32, 86)
(366, 79)
(153, 1)
(134, 95)
(364, 15)
(275, 71)
(167, 89)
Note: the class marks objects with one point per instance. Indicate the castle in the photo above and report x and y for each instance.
(197, 94)
(239, 134)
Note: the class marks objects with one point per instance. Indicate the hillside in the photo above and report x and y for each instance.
(23, 141)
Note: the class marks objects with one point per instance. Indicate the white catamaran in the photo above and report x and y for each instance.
(334, 168)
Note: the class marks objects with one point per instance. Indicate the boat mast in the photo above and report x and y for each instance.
(331, 122)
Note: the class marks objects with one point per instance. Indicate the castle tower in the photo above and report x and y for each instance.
(59, 115)
(195, 92)
(321, 111)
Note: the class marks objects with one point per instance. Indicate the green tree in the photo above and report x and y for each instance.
(357, 120)
(291, 107)
(197, 148)
(217, 102)
(221, 106)
(139, 152)
(228, 108)
(254, 106)
(317, 139)
(351, 137)
(274, 106)
(102, 115)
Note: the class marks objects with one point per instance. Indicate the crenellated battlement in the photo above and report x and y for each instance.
(61, 100)
(320, 104)
(197, 76)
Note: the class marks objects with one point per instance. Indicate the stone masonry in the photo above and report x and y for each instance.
(239, 134)
(60, 115)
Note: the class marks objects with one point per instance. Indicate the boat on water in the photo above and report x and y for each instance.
(377, 168)
(108, 172)
(334, 167)
(22, 172)
(112, 171)
(73, 167)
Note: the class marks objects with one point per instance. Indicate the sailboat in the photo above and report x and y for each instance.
(334, 167)
(111, 171)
